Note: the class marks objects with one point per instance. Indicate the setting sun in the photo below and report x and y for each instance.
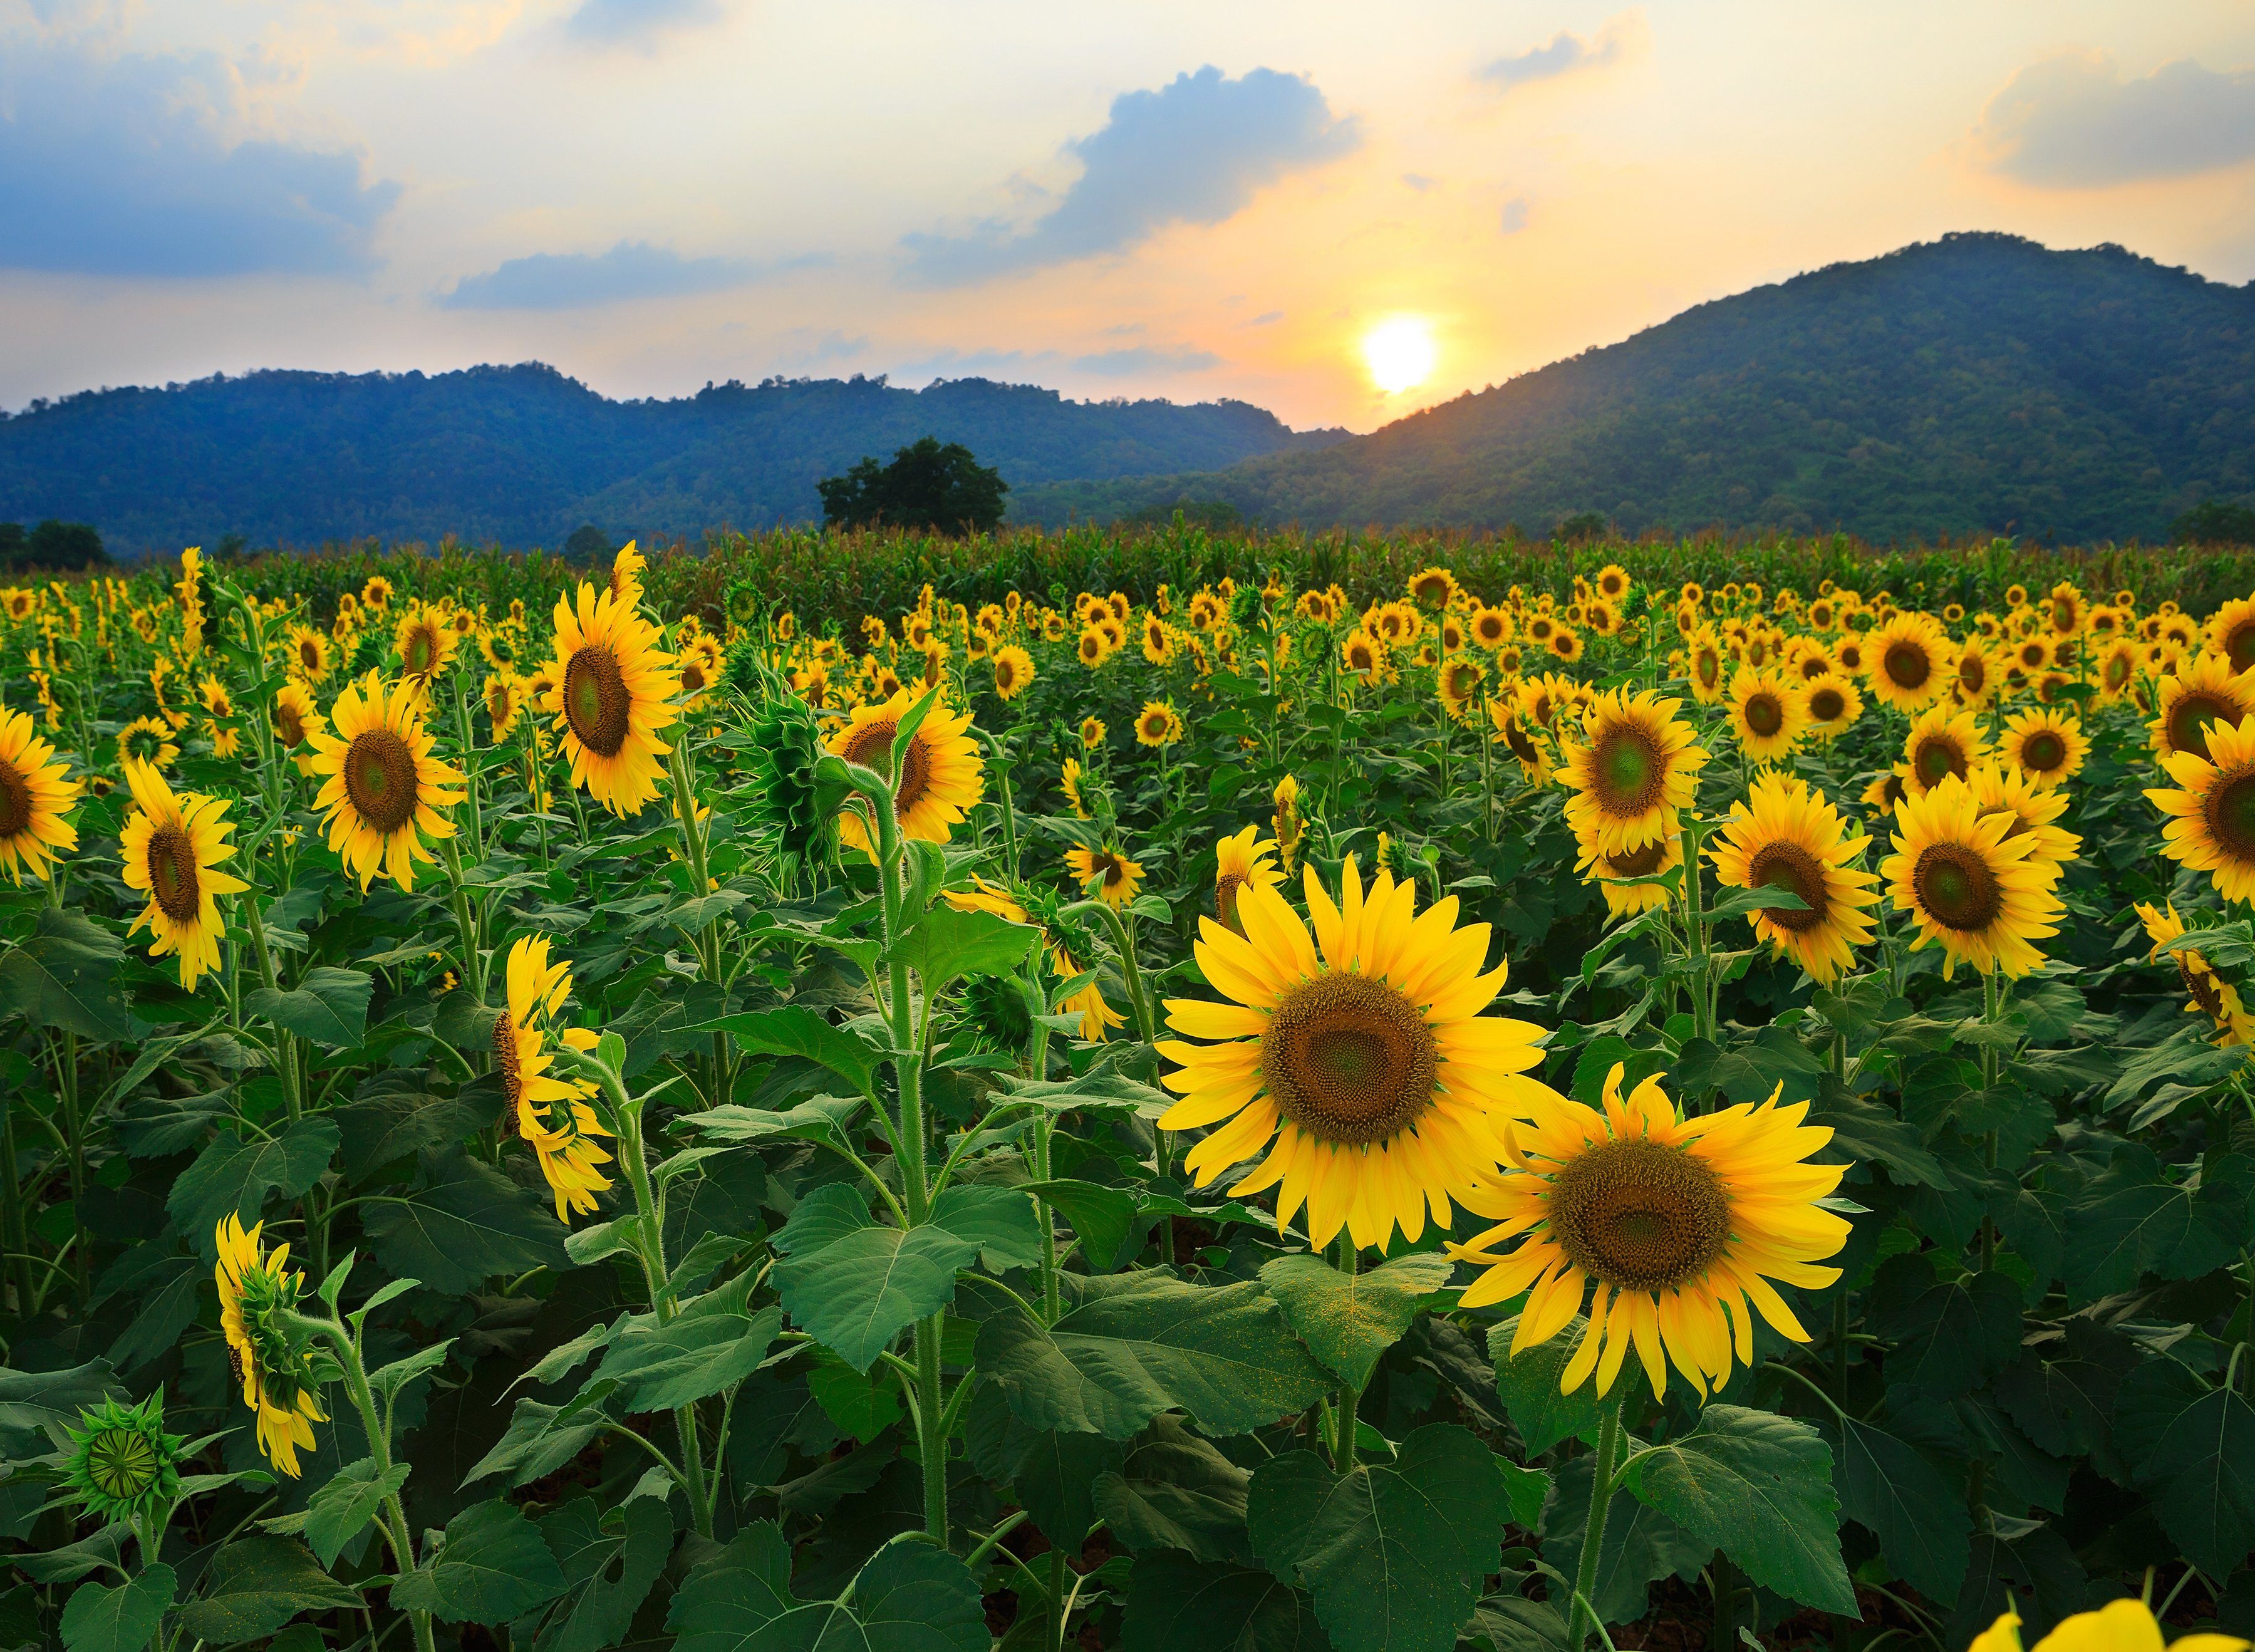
(1399, 351)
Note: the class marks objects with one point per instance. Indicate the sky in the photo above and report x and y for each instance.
(1339, 212)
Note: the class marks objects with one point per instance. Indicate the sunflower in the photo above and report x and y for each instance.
(626, 581)
(941, 774)
(1637, 769)
(1662, 855)
(1565, 645)
(1069, 777)
(377, 593)
(701, 666)
(1910, 658)
(257, 1297)
(294, 719)
(1158, 724)
(1969, 883)
(2207, 993)
(2047, 745)
(1458, 683)
(2127, 1625)
(1942, 744)
(1512, 730)
(1767, 713)
(1975, 677)
(2195, 698)
(1433, 588)
(1677, 1222)
(1363, 654)
(2231, 633)
(1835, 703)
(146, 740)
(1362, 1053)
(2211, 809)
(384, 789)
(504, 698)
(1848, 654)
(1491, 627)
(551, 1115)
(173, 847)
(2118, 665)
(1091, 733)
(1241, 861)
(1094, 647)
(2064, 609)
(35, 791)
(424, 643)
(1708, 673)
(1014, 669)
(1121, 876)
(614, 690)
(1786, 835)
(309, 654)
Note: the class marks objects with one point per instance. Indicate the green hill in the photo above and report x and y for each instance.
(1977, 384)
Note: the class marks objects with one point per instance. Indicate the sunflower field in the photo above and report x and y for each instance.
(561, 1112)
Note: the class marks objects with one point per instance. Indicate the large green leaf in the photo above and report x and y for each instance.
(235, 1173)
(33, 1402)
(329, 1007)
(347, 1501)
(1101, 1217)
(1641, 1545)
(397, 1121)
(853, 1285)
(1349, 1320)
(541, 1439)
(465, 1223)
(1176, 1604)
(712, 1345)
(1394, 1553)
(100, 1618)
(1002, 1221)
(2197, 1463)
(1751, 1070)
(64, 976)
(1142, 1343)
(491, 1567)
(909, 1598)
(610, 1560)
(1529, 1385)
(947, 944)
(257, 1583)
(2132, 1223)
(1950, 1333)
(1759, 1488)
(795, 1030)
(1053, 1475)
(1921, 1522)
(1174, 1490)
(170, 1286)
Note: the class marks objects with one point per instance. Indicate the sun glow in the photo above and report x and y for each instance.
(1400, 353)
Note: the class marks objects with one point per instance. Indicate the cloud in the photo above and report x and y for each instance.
(2072, 121)
(1194, 152)
(638, 22)
(631, 270)
(122, 166)
(1514, 216)
(1267, 317)
(1565, 54)
(1142, 358)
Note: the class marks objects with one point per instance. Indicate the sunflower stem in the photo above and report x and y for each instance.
(1593, 1535)
(393, 1522)
(1991, 1001)
(466, 929)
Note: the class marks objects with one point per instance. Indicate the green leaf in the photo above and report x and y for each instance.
(1759, 1488)
(610, 1560)
(234, 1175)
(2131, 1223)
(32, 1402)
(711, 1345)
(466, 1224)
(394, 1123)
(2196, 1466)
(1528, 1388)
(1101, 1217)
(795, 1030)
(1864, 1132)
(1349, 1320)
(822, 1119)
(541, 1439)
(1750, 1071)
(1053, 1475)
(1950, 1333)
(387, 1381)
(257, 1583)
(1176, 1604)
(1173, 1490)
(1002, 1221)
(853, 1285)
(909, 1597)
(64, 977)
(492, 1567)
(347, 1501)
(98, 1617)
(1896, 1494)
(862, 1404)
(166, 1311)
(1142, 1343)
(1393, 1554)
(329, 1007)
(947, 944)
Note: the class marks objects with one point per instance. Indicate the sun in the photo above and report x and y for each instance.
(1401, 353)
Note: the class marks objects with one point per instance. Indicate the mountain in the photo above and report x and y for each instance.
(1977, 384)
(522, 456)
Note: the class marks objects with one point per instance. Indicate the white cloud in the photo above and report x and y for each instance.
(2072, 121)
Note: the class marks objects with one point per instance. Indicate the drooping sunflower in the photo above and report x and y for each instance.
(941, 775)
(2207, 992)
(1014, 669)
(2048, 746)
(551, 1115)
(147, 740)
(1786, 835)
(1158, 724)
(1910, 660)
(1361, 1053)
(1677, 1223)
(173, 847)
(2193, 700)
(1242, 860)
(1969, 884)
(1767, 713)
(2211, 809)
(1835, 703)
(1942, 742)
(1661, 855)
(309, 654)
(258, 1295)
(1633, 770)
(424, 643)
(614, 689)
(1119, 876)
(36, 792)
(382, 789)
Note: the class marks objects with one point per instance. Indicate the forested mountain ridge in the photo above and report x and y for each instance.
(522, 454)
(1977, 384)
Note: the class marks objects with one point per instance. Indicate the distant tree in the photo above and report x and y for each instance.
(588, 543)
(230, 548)
(65, 544)
(2214, 522)
(15, 547)
(943, 489)
(1215, 515)
(1583, 524)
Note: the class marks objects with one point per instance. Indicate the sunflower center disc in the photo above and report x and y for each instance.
(1521, 747)
(1764, 715)
(1628, 771)
(1789, 866)
(1957, 886)
(1349, 1059)
(379, 773)
(15, 799)
(2240, 645)
(1937, 759)
(1639, 1215)
(2200, 985)
(2230, 810)
(309, 655)
(1907, 665)
(1640, 862)
(421, 651)
(2189, 718)
(512, 1076)
(288, 724)
(2044, 753)
(595, 701)
(1826, 705)
(870, 746)
(172, 874)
